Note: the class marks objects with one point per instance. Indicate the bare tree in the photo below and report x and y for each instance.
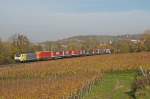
(20, 42)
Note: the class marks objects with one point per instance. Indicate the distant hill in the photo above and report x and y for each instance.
(130, 36)
(98, 38)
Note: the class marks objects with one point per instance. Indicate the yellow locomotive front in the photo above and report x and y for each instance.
(20, 57)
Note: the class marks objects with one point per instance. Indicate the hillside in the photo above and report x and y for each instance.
(81, 39)
(102, 38)
(87, 41)
(64, 79)
(98, 38)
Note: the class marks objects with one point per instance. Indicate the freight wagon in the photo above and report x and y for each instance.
(44, 55)
(48, 55)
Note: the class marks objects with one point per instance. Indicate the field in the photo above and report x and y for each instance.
(113, 86)
(64, 79)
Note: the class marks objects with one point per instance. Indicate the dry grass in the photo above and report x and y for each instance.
(63, 79)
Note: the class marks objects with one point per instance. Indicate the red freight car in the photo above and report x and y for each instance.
(67, 53)
(59, 55)
(44, 55)
(75, 53)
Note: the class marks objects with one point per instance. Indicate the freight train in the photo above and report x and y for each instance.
(49, 55)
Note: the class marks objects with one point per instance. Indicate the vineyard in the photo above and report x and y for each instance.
(64, 79)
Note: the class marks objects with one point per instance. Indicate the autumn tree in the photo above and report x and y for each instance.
(146, 40)
(121, 46)
(35, 47)
(73, 45)
(5, 53)
(90, 44)
(20, 43)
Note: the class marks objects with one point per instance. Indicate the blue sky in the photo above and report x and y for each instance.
(56, 19)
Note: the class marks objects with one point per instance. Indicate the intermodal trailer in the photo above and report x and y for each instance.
(44, 55)
(75, 53)
(67, 54)
(59, 55)
(107, 51)
(96, 51)
(82, 52)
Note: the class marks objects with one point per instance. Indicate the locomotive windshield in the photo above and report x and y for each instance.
(17, 55)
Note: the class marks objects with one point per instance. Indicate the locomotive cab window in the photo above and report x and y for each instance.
(17, 55)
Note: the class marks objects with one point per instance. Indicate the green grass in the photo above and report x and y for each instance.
(144, 94)
(113, 86)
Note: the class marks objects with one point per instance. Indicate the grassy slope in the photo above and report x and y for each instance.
(114, 86)
(145, 93)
